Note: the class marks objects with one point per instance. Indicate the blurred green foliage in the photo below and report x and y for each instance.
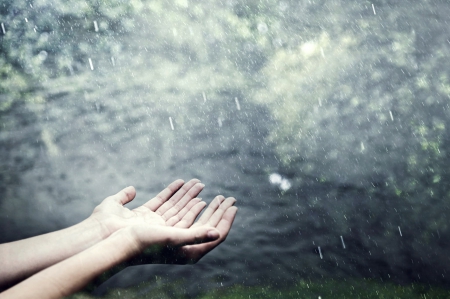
(359, 91)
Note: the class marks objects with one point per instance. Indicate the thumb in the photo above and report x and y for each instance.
(124, 196)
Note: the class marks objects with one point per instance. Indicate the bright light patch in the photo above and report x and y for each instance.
(282, 183)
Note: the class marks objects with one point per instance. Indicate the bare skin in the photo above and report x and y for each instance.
(160, 231)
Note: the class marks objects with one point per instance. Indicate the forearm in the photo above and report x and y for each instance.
(21, 259)
(75, 272)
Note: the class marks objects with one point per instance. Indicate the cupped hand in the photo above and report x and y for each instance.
(217, 218)
(176, 205)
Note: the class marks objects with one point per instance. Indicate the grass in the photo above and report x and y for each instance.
(328, 288)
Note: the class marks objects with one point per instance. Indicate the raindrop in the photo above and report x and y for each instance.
(362, 147)
(42, 55)
(91, 65)
(237, 104)
(321, 51)
(171, 123)
(275, 179)
(95, 26)
(373, 7)
(400, 231)
(26, 20)
(219, 120)
(262, 28)
(320, 253)
(69, 66)
(3, 29)
(390, 113)
(343, 244)
(113, 61)
(204, 97)
(285, 185)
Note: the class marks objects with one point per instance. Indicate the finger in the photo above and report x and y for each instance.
(218, 214)
(210, 210)
(173, 207)
(190, 216)
(154, 203)
(196, 252)
(178, 217)
(124, 196)
(172, 236)
(226, 222)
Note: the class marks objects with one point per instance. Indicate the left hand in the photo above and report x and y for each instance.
(176, 205)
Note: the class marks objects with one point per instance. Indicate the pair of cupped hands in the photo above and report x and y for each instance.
(164, 229)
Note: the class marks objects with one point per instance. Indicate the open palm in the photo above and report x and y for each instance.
(176, 206)
(219, 215)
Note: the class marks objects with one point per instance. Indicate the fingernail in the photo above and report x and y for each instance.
(213, 234)
(202, 185)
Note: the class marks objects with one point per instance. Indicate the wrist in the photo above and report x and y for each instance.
(102, 228)
(129, 240)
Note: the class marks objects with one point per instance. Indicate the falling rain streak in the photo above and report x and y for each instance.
(171, 123)
(204, 97)
(343, 244)
(95, 26)
(400, 231)
(113, 61)
(373, 7)
(390, 113)
(3, 29)
(237, 104)
(320, 253)
(91, 65)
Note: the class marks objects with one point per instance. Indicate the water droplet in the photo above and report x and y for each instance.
(237, 104)
(275, 179)
(91, 65)
(343, 244)
(42, 55)
(262, 28)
